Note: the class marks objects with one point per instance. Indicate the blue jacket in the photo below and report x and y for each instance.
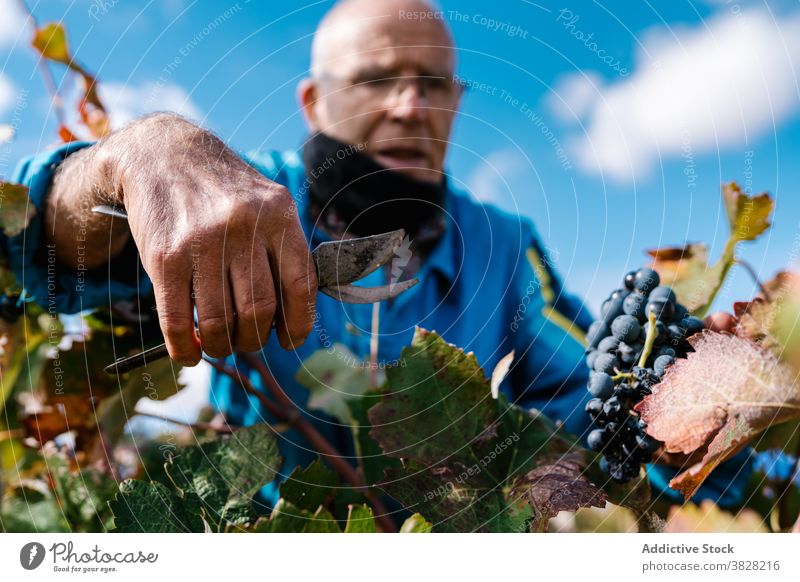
(489, 286)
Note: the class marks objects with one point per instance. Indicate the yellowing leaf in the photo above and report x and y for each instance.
(748, 216)
(686, 269)
(725, 393)
(709, 518)
(16, 210)
(51, 41)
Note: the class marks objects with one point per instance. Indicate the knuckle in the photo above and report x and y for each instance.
(175, 325)
(259, 310)
(216, 328)
(302, 285)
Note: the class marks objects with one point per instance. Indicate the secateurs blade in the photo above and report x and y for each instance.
(338, 263)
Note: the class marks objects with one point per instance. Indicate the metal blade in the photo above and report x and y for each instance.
(110, 211)
(344, 261)
(353, 294)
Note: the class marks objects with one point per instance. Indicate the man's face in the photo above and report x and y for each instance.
(387, 82)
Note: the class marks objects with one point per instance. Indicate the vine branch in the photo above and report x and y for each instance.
(286, 411)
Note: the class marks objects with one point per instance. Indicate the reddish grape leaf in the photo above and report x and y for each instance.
(66, 134)
(91, 109)
(719, 398)
(51, 42)
(16, 210)
(773, 318)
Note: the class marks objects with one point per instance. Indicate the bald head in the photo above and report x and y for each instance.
(355, 26)
(383, 76)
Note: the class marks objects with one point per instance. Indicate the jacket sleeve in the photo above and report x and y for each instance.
(50, 284)
(547, 327)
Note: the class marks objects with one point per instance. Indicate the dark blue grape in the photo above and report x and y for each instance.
(646, 280)
(626, 328)
(665, 351)
(612, 407)
(608, 345)
(594, 406)
(597, 331)
(647, 443)
(662, 308)
(596, 439)
(600, 385)
(661, 364)
(663, 292)
(629, 280)
(692, 324)
(612, 309)
(606, 363)
(634, 305)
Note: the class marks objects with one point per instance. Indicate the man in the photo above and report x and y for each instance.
(230, 236)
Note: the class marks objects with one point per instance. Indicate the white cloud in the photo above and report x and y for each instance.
(722, 83)
(7, 93)
(573, 95)
(12, 21)
(126, 102)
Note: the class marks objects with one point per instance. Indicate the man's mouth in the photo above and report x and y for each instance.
(400, 157)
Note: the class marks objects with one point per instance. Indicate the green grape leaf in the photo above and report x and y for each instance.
(82, 495)
(152, 507)
(439, 406)
(334, 377)
(360, 520)
(286, 518)
(16, 209)
(470, 462)
(307, 488)
(225, 473)
(416, 524)
(30, 507)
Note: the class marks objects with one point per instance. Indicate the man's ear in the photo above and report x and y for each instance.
(307, 95)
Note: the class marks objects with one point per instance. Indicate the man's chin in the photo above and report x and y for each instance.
(417, 169)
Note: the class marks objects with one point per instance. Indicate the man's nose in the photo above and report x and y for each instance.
(408, 103)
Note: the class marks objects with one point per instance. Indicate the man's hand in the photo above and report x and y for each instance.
(212, 233)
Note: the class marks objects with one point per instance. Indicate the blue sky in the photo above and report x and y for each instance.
(610, 124)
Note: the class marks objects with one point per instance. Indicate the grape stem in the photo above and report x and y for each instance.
(649, 339)
(750, 271)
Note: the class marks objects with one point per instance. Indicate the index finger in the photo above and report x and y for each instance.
(296, 276)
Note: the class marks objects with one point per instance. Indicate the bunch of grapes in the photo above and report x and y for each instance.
(10, 307)
(626, 363)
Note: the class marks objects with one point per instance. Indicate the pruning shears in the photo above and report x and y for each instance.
(339, 263)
